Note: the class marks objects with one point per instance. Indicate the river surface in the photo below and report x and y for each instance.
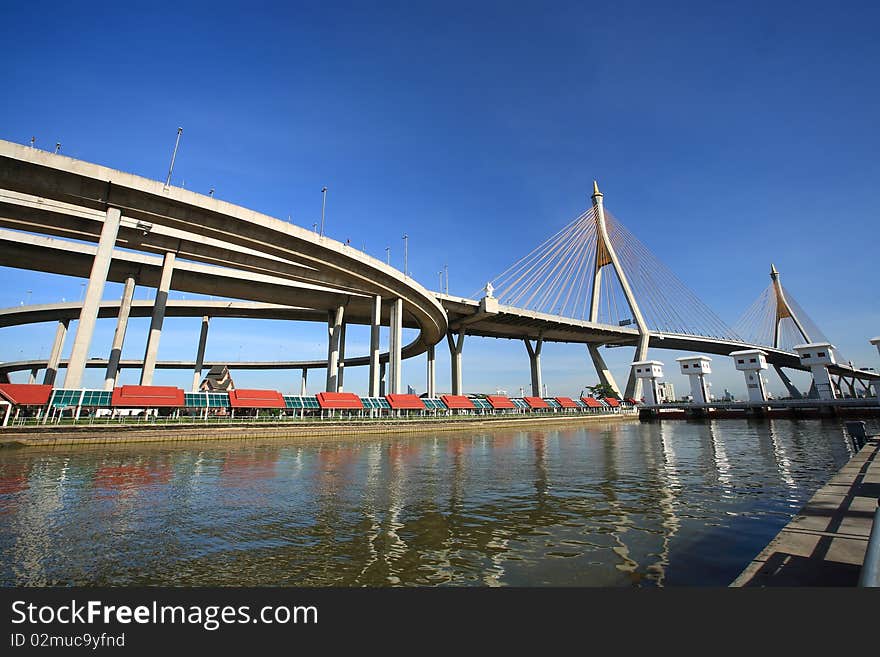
(612, 504)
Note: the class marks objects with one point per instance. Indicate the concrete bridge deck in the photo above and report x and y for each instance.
(825, 543)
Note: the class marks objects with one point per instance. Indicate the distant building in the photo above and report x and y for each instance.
(727, 396)
(410, 390)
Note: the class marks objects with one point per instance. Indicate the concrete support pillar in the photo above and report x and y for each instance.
(334, 330)
(649, 371)
(200, 354)
(32, 379)
(792, 389)
(303, 382)
(152, 351)
(395, 340)
(375, 326)
(696, 368)
(752, 363)
(455, 348)
(876, 343)
(877, 390)
(602, 370)
(634, 384)
(340, 375)
(822, 382)
(55, 354)
(89, 313)
(431, 373)
(535, 364)
(119, 336)
(818, 356)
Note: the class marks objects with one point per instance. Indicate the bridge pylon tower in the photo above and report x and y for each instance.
(784, 311)
(605, 256)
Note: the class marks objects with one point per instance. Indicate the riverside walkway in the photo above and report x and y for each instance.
(825, 543)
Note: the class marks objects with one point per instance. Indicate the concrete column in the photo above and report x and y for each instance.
(696, 368)
(55, 354)
(634, 384)
(303, 383)
(152, 352)
(334, 330)
(375, 325)
(455, 348)
(395, 340)
(792, 389)
(602, 370)
(32, 379)
(200, 354)
(89, 313)
(340, 376)
(432, 379)
(535, 364)
(877, 390)
(649, 371)
(876, 343)
(119, 335)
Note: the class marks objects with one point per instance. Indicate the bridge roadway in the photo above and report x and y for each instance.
(53, 208)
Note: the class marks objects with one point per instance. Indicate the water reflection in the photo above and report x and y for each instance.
(619, 504)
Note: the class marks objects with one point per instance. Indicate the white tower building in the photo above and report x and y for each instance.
(696, 368)
(648, 371)
(818, 356)
(751, 362)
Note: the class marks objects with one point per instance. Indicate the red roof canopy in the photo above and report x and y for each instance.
(632, 401)
(456, 401)
(338, 400)
(536, 402)
(147, 397)
(405, 402)
(500, 401)
(591, 402)
(612, 402)
(26, 394)
(244, 398)
(566, 402)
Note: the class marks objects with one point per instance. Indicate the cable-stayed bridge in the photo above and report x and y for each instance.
(592, 282)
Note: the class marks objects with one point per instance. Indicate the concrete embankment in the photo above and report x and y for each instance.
(825, 543)
(120, 434)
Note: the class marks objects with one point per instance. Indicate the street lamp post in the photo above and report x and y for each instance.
(173, 156)
(323, 206)
(405, 254)
(388, 255)
(446, 270)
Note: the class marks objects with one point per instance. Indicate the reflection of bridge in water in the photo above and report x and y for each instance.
(592, 282)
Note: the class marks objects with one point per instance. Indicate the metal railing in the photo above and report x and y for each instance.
(870, 575)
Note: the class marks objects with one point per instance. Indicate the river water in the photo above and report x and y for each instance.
(612, 504)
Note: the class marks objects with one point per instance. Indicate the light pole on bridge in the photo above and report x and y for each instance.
(323, 206)
(405, 254)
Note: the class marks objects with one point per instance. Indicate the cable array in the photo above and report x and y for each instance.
(758, 323)
(558, 278)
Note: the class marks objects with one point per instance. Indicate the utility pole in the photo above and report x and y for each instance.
(173, 156)
(323, 206)
(405, 254)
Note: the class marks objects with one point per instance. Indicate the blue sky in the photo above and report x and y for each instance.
(724, 135)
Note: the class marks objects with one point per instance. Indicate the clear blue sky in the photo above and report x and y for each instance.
(724, 135)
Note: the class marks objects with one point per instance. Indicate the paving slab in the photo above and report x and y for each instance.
(825, 543)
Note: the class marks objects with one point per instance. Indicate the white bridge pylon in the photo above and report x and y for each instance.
(776, 320)
(595, 270)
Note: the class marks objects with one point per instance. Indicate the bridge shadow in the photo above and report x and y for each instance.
(824, 545)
